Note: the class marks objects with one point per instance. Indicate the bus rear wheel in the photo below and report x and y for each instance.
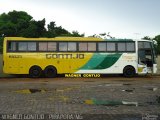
(129, 71)
(35, 71)
(50, 71)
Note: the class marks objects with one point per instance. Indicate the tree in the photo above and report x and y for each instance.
(54, 31)
(1, 44)
(21, 24)
(76, 34)
(157, 38)
(14, 22)
(35, 29)
(147, 38)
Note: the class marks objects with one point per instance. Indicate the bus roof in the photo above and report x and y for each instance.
(70, 39)
(55, 39)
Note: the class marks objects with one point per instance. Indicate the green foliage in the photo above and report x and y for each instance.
(76, 34)
(147, 38)
(21, 24)
(14, 22)
(35, 29)
(1, 44)
(157, 38)
(54, 31)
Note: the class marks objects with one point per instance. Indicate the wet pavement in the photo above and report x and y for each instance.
(96, 98)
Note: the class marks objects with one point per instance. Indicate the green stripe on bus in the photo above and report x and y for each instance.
(100, 61)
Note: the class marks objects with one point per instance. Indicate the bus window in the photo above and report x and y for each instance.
(11, 46)
(72, 46)
(111, 46)
(52, 46)
(83, 46)
(22, 46)
(102, 46)
(130, 47)
(32, 46)
(147, 45)
(92, 46)
(140, 45)
(63, 46)
(42, 46)
(121, 46)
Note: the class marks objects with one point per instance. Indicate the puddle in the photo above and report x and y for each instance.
(127, 84)
(89, 81)
(113, 85)
(153, 89)
(109, 103)
(59, 98)
(102, 102)
(129, 90)
(30, 91)
(158, 99)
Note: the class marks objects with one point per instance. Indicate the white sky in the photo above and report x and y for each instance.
(122, 18)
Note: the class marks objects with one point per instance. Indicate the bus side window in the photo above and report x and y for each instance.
(91, 46)
(42, 46)
(121, 46)
(140, 45)
(11, 46)
(22, 46)
(83, 46)
(130, 47)
(111, 46)
(62, 46)
(32, 46)
(147, 44)
(52, 46)
(102, 46)
(72, 46)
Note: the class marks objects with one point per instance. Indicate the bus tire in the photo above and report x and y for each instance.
(35, 71)
(129, 71)
(50, 71)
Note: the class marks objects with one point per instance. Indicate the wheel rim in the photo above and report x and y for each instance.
(36, 72)
(129, 72)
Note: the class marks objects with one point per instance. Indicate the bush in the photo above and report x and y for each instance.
(1, 44)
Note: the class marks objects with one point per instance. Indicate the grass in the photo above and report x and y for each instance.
(5, 75)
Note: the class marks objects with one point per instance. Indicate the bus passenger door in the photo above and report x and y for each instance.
(145, 60)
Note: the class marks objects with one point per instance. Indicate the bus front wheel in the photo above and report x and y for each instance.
(35, 71)
(129, 71)
(50, 71)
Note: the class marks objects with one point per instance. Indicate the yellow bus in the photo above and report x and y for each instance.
(60, 55)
